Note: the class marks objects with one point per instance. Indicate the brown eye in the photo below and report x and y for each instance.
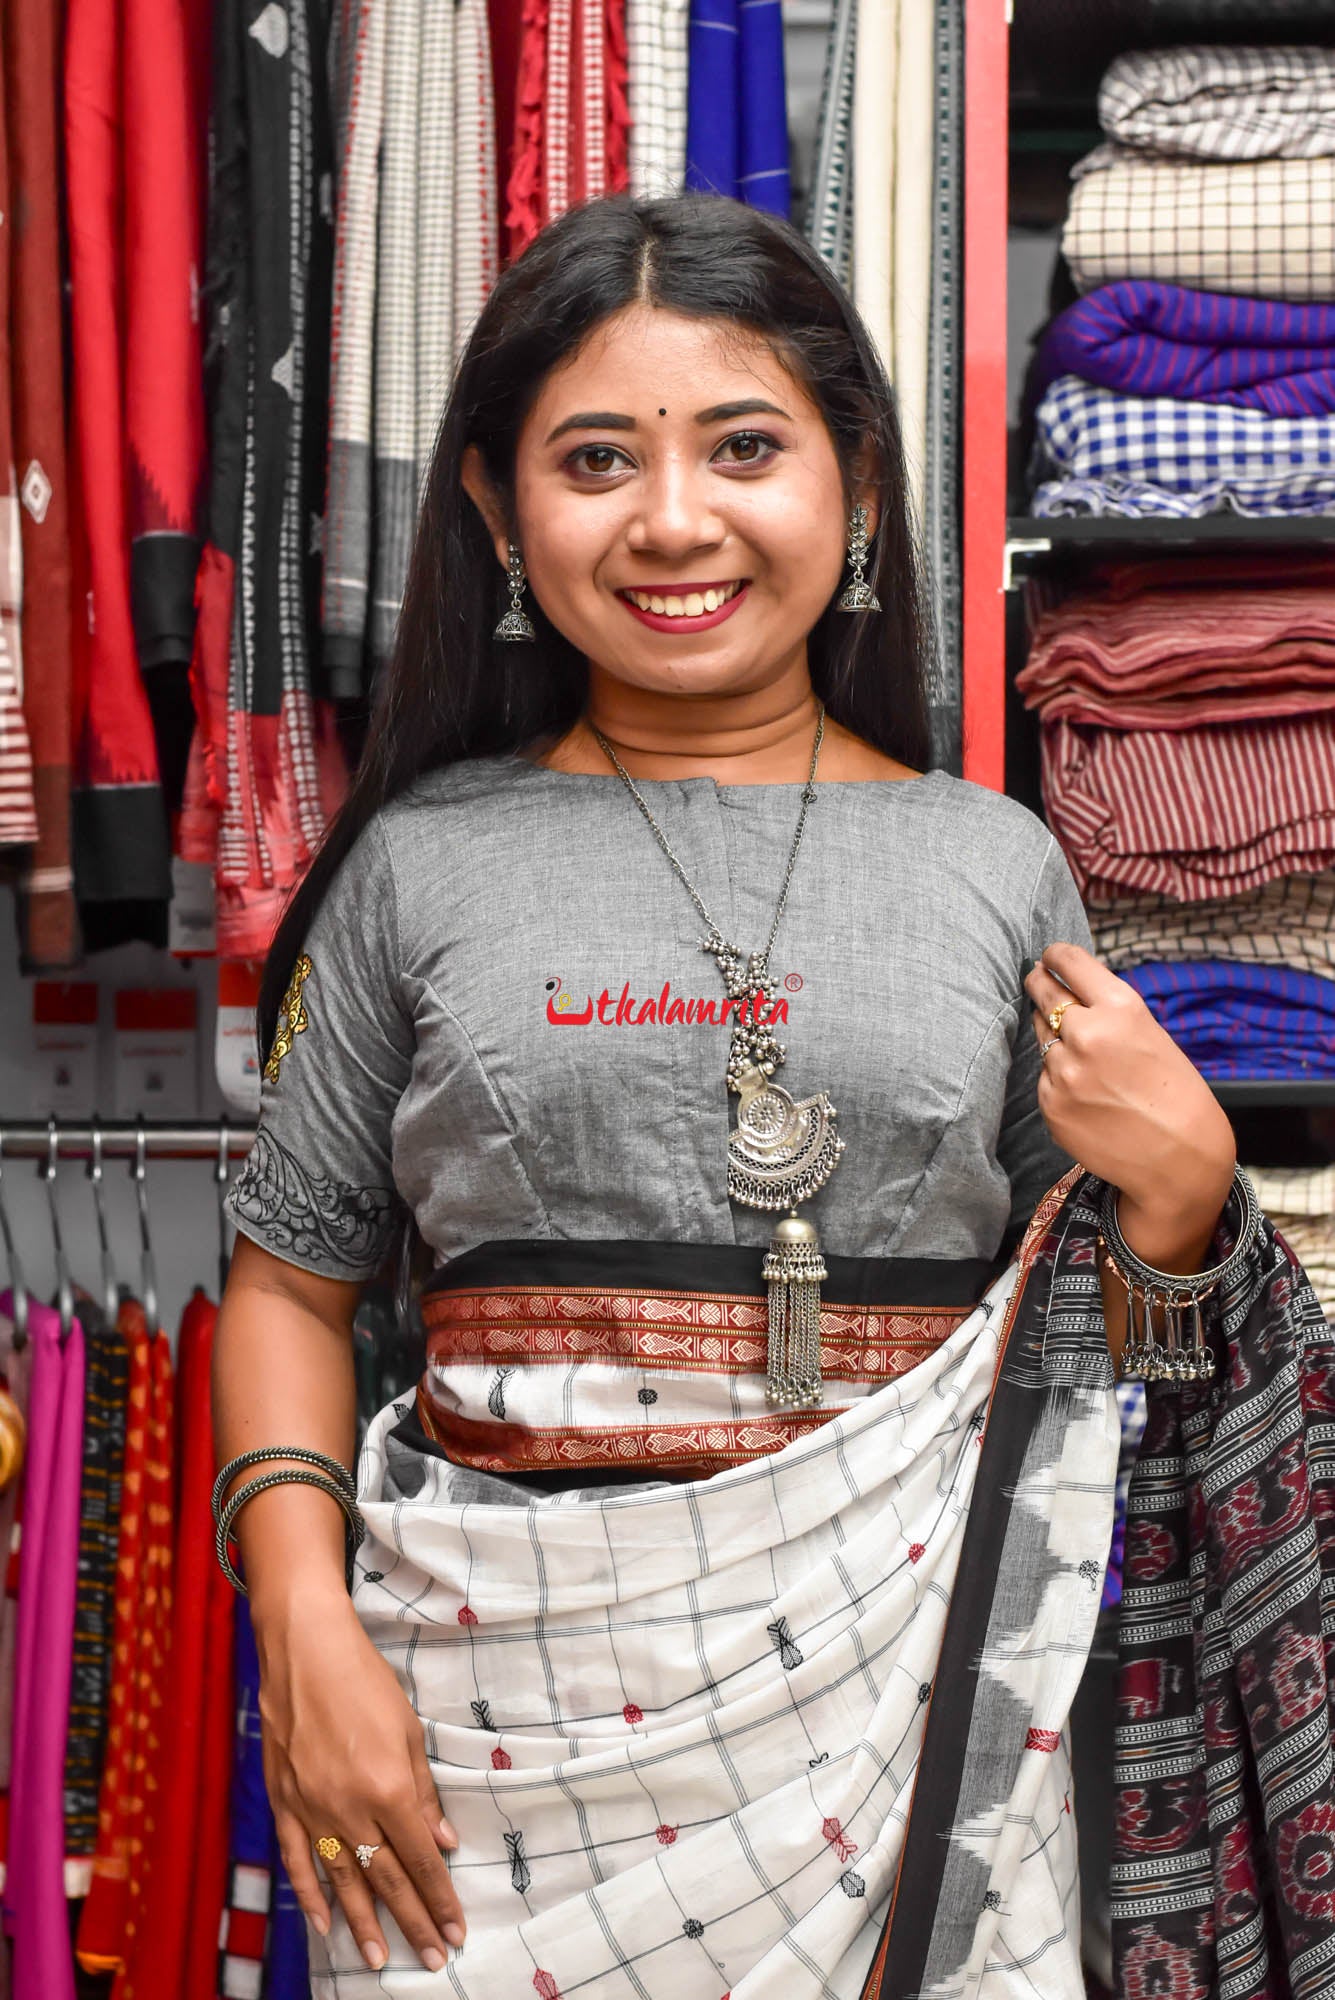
(595, 459)
(749, 448)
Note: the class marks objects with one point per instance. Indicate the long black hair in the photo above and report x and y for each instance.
(449, 691)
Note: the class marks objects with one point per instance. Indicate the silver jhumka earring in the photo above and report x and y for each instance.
(515, 622)
(858, 594)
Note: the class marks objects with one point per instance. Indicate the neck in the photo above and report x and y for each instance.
(759, 736)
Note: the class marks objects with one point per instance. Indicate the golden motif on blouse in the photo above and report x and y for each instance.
(293, 1019)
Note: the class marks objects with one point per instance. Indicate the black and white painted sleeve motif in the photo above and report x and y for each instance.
(317, 1188)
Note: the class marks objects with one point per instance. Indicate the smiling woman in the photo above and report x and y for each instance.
(673, 1594)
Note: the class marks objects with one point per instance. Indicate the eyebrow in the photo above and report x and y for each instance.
(612, 420)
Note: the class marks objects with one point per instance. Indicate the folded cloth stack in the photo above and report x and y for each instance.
(1300, 1201)
(1219, 176)
(1188, 756)
(1243, 1022)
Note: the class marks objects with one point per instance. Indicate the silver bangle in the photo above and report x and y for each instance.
(356, 1526)
(266, 1454)
(1174, 1359)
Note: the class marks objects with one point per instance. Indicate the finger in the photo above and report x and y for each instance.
(423, 1866)
(294, 1844)
(350, 1887)
(392, 1878)
(1084, 975)
(428, 1797)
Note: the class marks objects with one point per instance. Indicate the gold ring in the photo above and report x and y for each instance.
(329, 1847)
(1055, 1017)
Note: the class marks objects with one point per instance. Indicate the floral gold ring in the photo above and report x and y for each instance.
(1055, 1017)
(329, 1847)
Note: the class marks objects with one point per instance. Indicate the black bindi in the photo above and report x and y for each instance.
(662, 413)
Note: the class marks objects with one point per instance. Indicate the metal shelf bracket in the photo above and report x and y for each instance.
(1020, 545)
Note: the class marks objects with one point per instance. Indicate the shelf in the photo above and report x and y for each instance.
(1294, 1092)
(1034, 545)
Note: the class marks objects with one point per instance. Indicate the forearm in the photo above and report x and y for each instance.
(283, 1375)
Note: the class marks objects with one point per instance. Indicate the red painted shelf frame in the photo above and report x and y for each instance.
(986, 121)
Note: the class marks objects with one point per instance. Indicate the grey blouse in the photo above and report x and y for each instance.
(444, 1061)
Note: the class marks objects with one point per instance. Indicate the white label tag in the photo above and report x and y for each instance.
(237, 1061)
(192, 927)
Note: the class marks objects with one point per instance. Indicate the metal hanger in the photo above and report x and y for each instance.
(64, 1283)
(16, 1284)
(111, 1300)
(220, 1177)
(148, 1277)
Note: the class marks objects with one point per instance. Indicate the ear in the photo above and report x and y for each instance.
(485, 498)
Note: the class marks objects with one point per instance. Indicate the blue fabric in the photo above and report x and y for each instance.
(252, 1821)
(287, 1973)
(1238, 1021)
(1142, 338)
(736, 103)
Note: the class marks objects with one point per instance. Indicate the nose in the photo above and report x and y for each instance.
(677, 512)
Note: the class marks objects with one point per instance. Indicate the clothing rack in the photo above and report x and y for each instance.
(197, 1139)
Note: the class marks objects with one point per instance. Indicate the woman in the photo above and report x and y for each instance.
(660, 1648)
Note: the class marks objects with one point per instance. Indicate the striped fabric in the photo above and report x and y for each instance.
(1300, 1201)
(941, 504)
(1243, 1021)
(572, 112)
(1140, 338)
(656, 32)
(18, 811)
(1211, 103)
(1192, 813)
(829, 216)
(1158, 653)
(1153, 454)
(1289, 921)
(1265, 227)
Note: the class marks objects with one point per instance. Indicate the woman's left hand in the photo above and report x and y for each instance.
(1117, 1093)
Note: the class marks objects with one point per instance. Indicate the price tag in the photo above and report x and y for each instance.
(64, 1025)
(236, 1054)
(156, 1063)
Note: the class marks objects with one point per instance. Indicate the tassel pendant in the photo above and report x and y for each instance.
(793, 1270)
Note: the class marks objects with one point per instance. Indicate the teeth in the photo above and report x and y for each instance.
(694, 605)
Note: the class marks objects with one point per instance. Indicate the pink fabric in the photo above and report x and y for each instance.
(35, 1913)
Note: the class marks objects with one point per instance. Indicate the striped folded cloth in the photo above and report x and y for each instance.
(1289, 921)
(1143, 338)
(1191, 813)
(1157, 455)
(1265, 228)
(1248, 644)
(1300, 1201)
(1213, 103)
(1243, 1023)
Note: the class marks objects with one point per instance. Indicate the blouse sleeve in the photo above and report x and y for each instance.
(1026, 1149)
(317, 1187)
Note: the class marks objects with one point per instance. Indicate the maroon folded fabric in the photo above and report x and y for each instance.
(1191, 813)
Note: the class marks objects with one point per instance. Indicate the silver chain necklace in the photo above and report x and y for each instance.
(782, 1150)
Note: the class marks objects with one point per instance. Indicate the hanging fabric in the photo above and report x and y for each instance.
(34, 1903)
(269, 772)
(945, 409)
(737, 117)
(571, 140)
(829, 218)
(188, 1864)
(656, 36)
(18, 816)
(48, 919)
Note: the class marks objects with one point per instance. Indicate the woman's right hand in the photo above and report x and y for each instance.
(344, 1755)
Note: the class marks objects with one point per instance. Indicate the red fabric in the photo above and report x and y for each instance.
(140, 1683)
(187, 1864)
(206, 776)
(1168, 652)
(1192, 813)
(113, 729)
(31, 62)
(200, 1967)
(504, 23)
(617, 69)
(523, 189)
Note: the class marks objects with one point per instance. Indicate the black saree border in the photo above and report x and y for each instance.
(900, 1965)
(538, 1263)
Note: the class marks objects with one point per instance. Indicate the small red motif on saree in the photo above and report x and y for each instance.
(467, 1616)
(1042, 1739)
(838, 1839)
(633, 1712)
(666, 1835)
(500, 1760)
(916, 1551)
(544, 1984)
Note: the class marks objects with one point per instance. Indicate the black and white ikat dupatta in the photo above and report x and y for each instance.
(796, 1729)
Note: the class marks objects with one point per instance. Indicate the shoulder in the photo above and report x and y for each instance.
(979, 817)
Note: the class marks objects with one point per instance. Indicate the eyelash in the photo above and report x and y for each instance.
(760, 437)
